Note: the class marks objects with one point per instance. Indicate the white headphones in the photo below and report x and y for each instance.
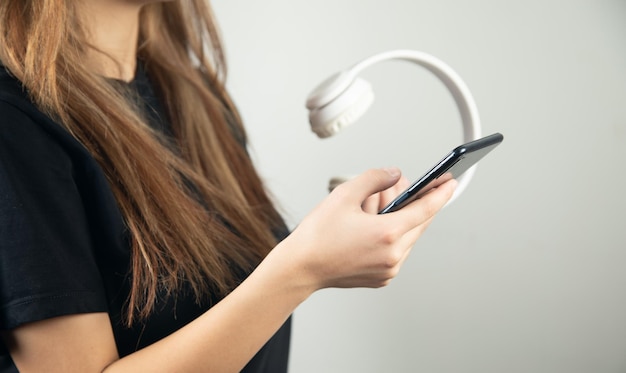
(344, 97)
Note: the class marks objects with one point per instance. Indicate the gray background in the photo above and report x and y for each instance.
(526, 271)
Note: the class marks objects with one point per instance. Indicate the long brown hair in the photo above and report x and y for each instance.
(193, 214)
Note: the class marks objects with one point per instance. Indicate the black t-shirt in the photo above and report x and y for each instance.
(64, 246)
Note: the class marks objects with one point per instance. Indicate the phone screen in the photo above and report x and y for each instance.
(453, 165)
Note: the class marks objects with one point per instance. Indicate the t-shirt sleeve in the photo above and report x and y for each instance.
(48, 266)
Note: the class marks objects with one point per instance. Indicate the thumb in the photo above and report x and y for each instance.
(370, 182)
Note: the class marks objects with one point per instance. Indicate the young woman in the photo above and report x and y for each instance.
(135, 234)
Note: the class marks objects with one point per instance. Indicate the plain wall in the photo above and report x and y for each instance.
(526, 271)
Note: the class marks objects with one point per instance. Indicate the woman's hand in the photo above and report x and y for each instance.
(343, 242)
(376, 202)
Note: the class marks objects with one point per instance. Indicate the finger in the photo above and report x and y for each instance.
(380, 200)
(372, 203)
(368, 183)
(408, 240)
(393, 192)
(423, 209)
(414, 234)
(389, 194)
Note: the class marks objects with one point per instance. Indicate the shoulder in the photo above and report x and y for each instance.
(27, 132)
(15, 104)
(14, 100)
(32, 150)
(17, 111)
(44, 231)
(35, 151)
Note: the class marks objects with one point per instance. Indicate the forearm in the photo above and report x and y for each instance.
(337, 245)
(227, 336)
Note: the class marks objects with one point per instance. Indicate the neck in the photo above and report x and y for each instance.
(113, 29)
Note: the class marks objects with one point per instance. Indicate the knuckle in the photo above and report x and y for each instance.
(340, 191)
(384, 283)
(393, 273)
(390, 236)
(391, 263)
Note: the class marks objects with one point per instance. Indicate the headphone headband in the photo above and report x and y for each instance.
(341, 99)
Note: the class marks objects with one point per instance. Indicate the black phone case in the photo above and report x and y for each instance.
(453, 165)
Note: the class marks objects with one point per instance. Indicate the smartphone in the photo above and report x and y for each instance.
(453, 165)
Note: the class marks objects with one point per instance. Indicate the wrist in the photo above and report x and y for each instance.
(287, 271)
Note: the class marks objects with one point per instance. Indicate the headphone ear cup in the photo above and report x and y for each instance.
(343, 110)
